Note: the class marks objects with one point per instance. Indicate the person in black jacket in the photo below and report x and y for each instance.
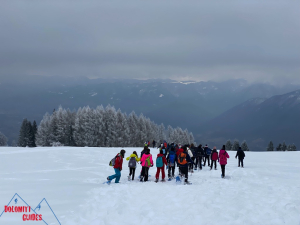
(199, 155)
(153, 143)
(241, 155)
(193, 150)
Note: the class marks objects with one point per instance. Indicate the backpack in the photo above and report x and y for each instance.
(159, 162)
(132, 162)
(113, 161)
(147, 162)
(243, 154)
(172, 159)
(182, 159)
(208, 151)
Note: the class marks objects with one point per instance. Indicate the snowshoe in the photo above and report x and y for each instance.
(129, 179)
(187, 183)
(170, 179)
(156, 180)
(178, 179)
(107, 182)
(195, 169)
(163, 180)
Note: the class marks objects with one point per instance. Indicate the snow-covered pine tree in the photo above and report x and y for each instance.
(293, 147)
(149, 134)
(122, 130)
(283, 147)
(132, 123)
(228, 145)
(70, 122)
(31, 137)
(53, 128)
(181, 136)
(186, 137)
(26, 134)
(142, 132)
(100, 134)
(34, 133)
(192, 139)
(270, 146)
(177, 135)
(278, 148)
(161, 133)
(43, 133)
(235, 145)
(110, 126)
(90, 128)
(154, 130)
(244, 146)
(78, 128)
(170, 131)
(3, 139)
(61, 125)
(22, 142)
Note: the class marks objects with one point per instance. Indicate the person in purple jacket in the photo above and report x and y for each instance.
(223, 156)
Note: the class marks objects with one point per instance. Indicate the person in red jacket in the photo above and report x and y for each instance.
(160, 164)
(117, 167)
(180, 150)
(214, 158)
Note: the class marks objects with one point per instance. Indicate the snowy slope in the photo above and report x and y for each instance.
(266, 191)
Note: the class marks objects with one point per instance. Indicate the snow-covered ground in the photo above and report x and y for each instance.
(266, 191)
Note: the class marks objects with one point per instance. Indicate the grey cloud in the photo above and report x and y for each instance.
(197, 40)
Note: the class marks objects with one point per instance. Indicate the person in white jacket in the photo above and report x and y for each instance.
(192, 158)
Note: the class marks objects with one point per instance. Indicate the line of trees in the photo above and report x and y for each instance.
(3, 139)
(281, 147)
(235, 145)
(104, 127)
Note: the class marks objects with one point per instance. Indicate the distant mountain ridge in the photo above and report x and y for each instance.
(259, 121)
(184, 104)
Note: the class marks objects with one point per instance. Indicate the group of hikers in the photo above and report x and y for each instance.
(187, 158)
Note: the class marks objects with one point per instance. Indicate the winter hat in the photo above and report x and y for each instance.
(240, 148)
(223, 147)
(206, 145)
(122, 152)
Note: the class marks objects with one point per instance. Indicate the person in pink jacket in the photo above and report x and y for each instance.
(146, 162)
(223, 156)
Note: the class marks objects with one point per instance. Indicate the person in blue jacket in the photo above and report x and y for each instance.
(171, 159)
(207, 152)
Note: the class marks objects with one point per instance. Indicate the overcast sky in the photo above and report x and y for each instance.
(184, 40)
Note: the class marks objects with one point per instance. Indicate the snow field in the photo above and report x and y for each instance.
(266, 191)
